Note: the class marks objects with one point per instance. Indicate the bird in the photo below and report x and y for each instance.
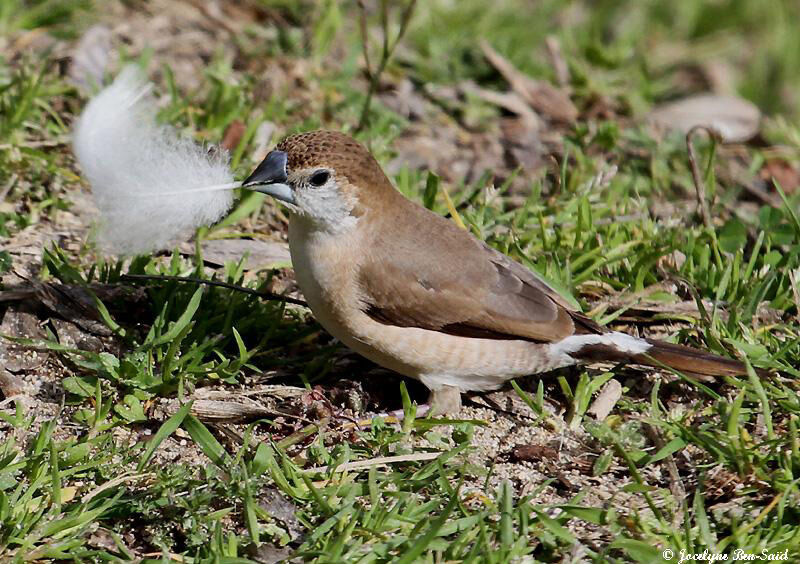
(415, 293)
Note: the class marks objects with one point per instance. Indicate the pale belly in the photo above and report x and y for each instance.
(437, 359)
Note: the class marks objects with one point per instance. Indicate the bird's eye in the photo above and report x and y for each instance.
(319, 178)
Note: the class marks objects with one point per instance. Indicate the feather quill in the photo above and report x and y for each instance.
(151, 185)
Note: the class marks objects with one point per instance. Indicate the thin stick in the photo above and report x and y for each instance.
(386, 50)
(380, 461)
(113, 483)
(270, 296)
(362, 26)
(699, 185)
(676, 486)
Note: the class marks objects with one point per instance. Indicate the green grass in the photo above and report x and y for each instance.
(119, 471)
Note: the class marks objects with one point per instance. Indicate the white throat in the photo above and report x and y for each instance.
(327, 209)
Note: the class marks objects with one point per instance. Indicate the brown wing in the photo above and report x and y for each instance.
(436, 276)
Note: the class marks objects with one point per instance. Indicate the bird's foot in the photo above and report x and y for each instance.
(444, 401)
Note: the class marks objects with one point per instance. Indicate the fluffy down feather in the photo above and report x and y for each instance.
(150, 185)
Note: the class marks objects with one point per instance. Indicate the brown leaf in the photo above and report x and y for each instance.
(75, 304)
(736, 120)
(10, 384)
(244, 409)
(542, 96)
(533, 453)
(721, 483)
(510, 101)
(786, 175)
(553, 460)
(233, 135)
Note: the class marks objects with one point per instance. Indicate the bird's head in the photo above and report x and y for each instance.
(325, 176)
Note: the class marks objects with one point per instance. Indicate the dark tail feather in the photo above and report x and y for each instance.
(687, 360)
(692, 361)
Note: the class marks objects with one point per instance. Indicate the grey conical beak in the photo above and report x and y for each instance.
(270, 177)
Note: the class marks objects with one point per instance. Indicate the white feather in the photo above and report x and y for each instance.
(623, 342)
(150, 185)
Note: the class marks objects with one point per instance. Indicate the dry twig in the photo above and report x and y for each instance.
(560, 66)
(263, 295)
(676, 486)
(387, 49)
(606, 400)
(697, 176)
(380, 461)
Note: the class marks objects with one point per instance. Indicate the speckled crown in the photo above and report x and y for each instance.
(335, 150)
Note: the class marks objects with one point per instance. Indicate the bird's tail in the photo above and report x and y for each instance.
(650, 352)
(691, 361)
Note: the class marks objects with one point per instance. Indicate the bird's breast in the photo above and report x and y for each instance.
(326, 269)
(324, 266)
